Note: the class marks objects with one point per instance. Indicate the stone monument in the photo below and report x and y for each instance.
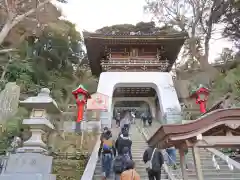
(9, 98)
(31, 161)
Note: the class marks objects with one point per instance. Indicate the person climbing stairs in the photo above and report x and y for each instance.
(138, 147)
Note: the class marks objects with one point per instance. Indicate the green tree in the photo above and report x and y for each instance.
(53, 60)
(232, 22)
(140, 27)
(12, 128)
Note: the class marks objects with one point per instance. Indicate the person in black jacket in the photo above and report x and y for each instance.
(123, 141)
(144, 118)
(149, 119)
(155, 156)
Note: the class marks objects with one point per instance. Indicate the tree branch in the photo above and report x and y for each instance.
(2, 5)
(3, 51)
(10, 23)
(21, 17)
(7, 6)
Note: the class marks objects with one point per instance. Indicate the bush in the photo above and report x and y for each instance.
(11, 128)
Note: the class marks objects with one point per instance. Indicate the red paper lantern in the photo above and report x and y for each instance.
(81, 95)
(201, 96)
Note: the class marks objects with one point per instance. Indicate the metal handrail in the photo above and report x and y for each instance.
(165, 167)
(92, 162)
(224, 157)
(4, 159)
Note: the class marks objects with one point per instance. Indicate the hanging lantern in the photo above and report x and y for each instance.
(201, 95)
(81, 95)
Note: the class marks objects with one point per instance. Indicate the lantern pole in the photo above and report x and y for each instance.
(202, 105)
(81, 95)
(82, 135)
(82, 123)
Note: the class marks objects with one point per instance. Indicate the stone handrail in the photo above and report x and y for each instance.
(165, 167)
(224, 157)
(92, 162)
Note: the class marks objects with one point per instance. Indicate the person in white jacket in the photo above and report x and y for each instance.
(125, 121)
(133, 117)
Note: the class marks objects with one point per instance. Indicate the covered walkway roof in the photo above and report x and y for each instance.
(217, 128)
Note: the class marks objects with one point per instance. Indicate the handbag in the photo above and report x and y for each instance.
(132, 175)
(149, 163)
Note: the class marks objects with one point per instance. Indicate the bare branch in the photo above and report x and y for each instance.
(2, 5)
(7, 6)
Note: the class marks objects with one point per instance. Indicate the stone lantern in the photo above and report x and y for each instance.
(41, 106)
(31, 161)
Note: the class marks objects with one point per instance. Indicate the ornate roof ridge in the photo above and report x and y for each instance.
(136, 34)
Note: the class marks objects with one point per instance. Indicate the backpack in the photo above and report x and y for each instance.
(156, 165)
(118, 165)
(126, 158)
(107, 145)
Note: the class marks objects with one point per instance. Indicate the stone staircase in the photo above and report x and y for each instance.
(209, 171)
(138, 147)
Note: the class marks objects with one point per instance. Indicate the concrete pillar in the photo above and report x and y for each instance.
(183, 164)
(197, 162)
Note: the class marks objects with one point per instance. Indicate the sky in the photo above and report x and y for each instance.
(91, 15)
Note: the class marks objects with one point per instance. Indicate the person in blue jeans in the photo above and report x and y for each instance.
(106, 164)
(171, 156)
(107, 152)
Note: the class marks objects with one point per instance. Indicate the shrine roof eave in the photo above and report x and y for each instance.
(95, 46)
(175, 134)
(137, 40)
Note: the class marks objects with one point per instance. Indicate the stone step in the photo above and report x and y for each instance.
(145, 178)
(214, 178)
(205, 170)
(163, 176)
(219, 173)
(139, 170)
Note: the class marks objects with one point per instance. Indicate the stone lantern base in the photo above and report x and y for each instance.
(28, 166)
(27, 177)
(31, 149)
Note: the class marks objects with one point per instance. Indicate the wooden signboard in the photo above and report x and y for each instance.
(98, 102)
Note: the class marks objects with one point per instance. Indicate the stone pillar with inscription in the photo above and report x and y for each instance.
(31, 161)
